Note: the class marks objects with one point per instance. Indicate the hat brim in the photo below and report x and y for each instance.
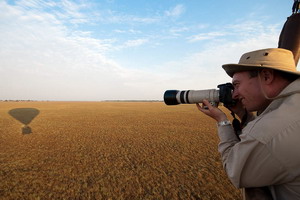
(233, 68)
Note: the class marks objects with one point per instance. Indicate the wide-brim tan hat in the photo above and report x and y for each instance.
(272, 58)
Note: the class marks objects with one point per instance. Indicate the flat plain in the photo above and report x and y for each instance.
(110, 150)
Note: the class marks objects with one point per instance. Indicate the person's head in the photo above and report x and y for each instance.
(261, 75)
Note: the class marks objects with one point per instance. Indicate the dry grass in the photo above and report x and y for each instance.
(102, 150)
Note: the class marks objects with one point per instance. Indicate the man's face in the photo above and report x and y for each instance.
(248, 91)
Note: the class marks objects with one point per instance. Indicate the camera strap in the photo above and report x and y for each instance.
(237, 125)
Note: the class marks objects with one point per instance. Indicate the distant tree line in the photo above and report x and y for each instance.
(16, 100)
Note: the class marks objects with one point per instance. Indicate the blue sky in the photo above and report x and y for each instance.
(127, 50)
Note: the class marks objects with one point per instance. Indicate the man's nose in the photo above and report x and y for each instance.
(235, 94)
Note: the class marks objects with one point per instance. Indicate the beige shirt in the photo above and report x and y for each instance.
(269, 151)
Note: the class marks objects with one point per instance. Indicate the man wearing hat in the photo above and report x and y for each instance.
(267, 155)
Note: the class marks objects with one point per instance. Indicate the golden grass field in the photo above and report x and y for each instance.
(111, 150)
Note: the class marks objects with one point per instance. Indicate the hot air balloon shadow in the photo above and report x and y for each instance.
(25, 116)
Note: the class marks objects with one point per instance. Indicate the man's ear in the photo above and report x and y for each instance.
(267, 75)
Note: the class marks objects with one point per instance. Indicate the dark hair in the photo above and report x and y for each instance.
(287, 76)
(253, 73)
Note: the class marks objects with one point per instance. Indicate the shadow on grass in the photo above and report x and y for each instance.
(25, 116)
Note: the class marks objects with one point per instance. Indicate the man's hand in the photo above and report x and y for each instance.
(212, 111)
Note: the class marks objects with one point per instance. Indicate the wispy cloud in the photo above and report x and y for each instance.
(178, 30)
(135, 43)
(65, 10)
(45, 55)
(48, 56)
(251, 28)
(205, 36)
(238, 30)
(130, 31)
(110, 16)
(202, 69)
(175, 11)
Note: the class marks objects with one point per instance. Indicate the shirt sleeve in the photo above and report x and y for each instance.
(248, 163)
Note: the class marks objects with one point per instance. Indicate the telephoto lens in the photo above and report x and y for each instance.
(175, 97)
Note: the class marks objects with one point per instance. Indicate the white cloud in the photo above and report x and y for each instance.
(111, 16)
(64, 10)
(178, 30)
(175, 11)
(135, 43)
(116, 17)
(130, 31)
(202, 70)
(205, 36)
(30, 3)
(42, 58)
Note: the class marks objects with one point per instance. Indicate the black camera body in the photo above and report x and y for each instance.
(223, 95)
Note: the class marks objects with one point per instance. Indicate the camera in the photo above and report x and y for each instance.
(214, 96)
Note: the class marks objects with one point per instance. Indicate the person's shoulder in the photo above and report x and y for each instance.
(270, 125)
